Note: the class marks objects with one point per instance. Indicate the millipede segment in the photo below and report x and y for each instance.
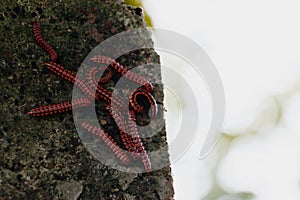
(39, 39)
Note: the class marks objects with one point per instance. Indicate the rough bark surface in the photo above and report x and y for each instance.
(44, 158)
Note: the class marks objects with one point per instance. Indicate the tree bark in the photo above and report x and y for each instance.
(43, 157)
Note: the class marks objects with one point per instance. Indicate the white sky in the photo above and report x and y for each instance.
(255, 46)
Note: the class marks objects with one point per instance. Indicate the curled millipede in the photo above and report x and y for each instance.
(38, 37)
(109, 74)
(133, 77)
(108, 140)
(91, 75)
(59, 107)
(138, 108)
(123, 71)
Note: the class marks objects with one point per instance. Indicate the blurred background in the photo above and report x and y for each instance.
(255, 45)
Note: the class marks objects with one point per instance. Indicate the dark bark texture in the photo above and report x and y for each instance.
(43, 157)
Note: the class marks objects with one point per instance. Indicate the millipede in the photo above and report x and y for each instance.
(108, 140)
(39, 39)
(91, 75)
(123, 71)
(126, 137)
(59, 107)
(137, 141)
(135, 105)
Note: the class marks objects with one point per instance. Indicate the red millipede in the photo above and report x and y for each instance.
(138, 108)
(38, 37)
(123, 130)
(123, 71)
(109, 74)
(91, 74)
(108, 140)
(88, 90)
(137, 141)
(59, 107)
(133, 77)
